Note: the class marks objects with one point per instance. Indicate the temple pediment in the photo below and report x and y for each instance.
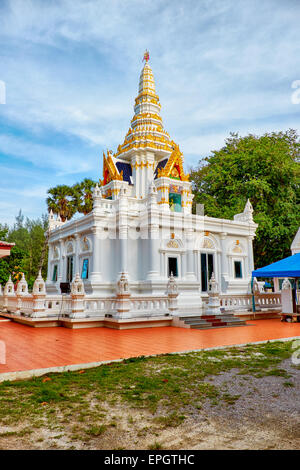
(174, 166)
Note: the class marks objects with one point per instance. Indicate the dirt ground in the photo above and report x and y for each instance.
(255, 412)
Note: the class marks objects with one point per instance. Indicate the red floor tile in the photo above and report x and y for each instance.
(35, 348)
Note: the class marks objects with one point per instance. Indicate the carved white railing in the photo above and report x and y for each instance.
(57, 305)
(17, 304)
(236, 302)
(25, 304)
(150, 305)
(267, 300)
(11, 304)
(94, 307)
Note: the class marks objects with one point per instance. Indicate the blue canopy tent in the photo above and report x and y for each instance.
(287, 267)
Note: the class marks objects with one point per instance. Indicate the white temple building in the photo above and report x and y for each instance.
(141, 257)
(142, 226)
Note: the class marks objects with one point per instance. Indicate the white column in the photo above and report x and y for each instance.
(50, 254)
(224, 262)
(96, 274)
(123, 232)
(183, 264)
(250, 255)
(60, 276)
(76, 257)
(190, 268)
(123, 250)
(153, 234)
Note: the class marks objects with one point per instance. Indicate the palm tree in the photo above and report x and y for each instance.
(61, 201)
(83, 195)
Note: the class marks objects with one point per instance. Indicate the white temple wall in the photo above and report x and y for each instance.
(78, 239)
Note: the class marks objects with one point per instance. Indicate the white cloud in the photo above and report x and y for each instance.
(43, 156)
(71, 69)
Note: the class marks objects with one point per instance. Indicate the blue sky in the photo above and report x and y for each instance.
(71, 70)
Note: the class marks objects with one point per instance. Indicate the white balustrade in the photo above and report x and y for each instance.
(244, 302)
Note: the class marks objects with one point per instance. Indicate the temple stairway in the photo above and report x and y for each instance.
(205, 322)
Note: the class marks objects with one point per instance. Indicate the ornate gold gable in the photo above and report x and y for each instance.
(110, 171)
(174, 166)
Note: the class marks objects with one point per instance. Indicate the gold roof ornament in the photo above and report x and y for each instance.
(110, 171)
(174, 166)
(146, 56)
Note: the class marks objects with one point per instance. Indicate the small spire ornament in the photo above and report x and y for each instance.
(146, 56)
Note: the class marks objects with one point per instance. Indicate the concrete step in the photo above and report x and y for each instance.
(209, 327)
(194, 317)
(213, 321)
(191, 322)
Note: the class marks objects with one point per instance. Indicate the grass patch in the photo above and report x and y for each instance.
(288, 384)
(96, 430)
(171, 383)
(155, 446)
(171, 420)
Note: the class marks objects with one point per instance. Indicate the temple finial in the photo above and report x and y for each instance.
(146, 56)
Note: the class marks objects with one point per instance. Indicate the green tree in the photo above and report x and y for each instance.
(30, 251)
(14, 262)
(3, 232)
(264, 169)
(83, 195)
(62, 201)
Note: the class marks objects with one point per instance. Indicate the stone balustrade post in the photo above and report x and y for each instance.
(213, 307)
(78, 298)
(22, 291)
(286, 297)
(39, 297)
(9, 291)
(123, 304)
(172, 291)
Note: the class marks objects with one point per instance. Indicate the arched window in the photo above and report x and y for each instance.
(236, 254)
(70, 248)
(70, 261)
(171, 251)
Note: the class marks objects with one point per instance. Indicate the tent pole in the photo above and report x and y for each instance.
(253, 297)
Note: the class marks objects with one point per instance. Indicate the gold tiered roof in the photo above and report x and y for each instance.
(146, 132)
(146, 129)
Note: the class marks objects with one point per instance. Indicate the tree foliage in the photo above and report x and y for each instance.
(67, 200)
(83, 196)
(29, 238)
(264, 169)
(61, 201)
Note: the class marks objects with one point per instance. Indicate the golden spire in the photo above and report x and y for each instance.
(146, 130)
